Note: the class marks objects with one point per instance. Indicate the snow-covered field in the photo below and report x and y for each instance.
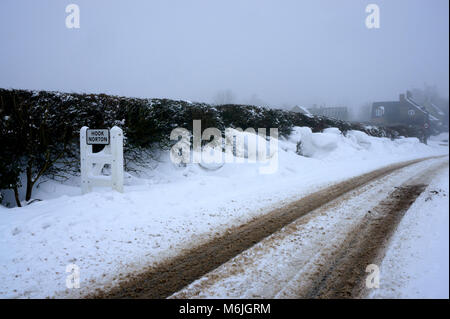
(169, 208)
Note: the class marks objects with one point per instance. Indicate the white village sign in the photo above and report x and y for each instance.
(93, 163)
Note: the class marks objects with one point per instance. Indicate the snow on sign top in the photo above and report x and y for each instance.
(97, 136)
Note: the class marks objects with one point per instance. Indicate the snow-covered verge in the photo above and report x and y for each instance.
(416, 264)
(168, 208)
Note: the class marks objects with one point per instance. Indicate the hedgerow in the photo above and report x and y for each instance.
(39, 130)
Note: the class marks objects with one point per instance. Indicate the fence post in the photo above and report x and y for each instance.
(117, 162)
(85, 150)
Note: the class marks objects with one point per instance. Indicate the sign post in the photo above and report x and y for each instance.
(93, 163)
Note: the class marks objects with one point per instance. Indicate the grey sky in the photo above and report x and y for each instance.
(294, 52)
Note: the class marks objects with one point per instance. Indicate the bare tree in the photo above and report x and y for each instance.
(224, 97)
(255, 100)
(363, 113)
(39, 138)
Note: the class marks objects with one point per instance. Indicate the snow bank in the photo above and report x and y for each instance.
(332, 144)
(168, 208)
(443, 137)
(247, 144)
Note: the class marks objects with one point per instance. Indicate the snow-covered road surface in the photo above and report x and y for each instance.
(307, 259)
(168, 277)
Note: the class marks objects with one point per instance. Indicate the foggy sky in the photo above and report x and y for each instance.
(284, 52)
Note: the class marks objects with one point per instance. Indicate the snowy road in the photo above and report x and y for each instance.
(296, 245)
(325, 253)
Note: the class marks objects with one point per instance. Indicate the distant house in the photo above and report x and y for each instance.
(405, 111)
(339, 112)
(301, 109)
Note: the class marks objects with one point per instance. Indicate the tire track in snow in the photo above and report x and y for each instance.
(170, 276)
(342, 273)
(344, 276)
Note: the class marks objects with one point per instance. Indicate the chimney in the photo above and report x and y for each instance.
(408, 94)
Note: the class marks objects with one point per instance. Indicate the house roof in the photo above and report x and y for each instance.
(301, 109)
(437, 109)
(420, 108)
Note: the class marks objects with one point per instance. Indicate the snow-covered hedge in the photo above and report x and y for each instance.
(39, 129)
